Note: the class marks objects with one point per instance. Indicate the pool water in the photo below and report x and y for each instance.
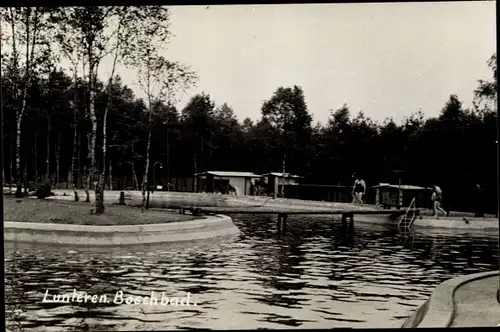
(318, 275)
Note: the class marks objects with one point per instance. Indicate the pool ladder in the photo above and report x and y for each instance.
(407, 220)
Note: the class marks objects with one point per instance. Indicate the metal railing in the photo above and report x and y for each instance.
(404, 218)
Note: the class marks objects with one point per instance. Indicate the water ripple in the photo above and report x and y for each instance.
(316, 276)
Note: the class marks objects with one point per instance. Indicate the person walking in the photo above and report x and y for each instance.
(437, 198)
(358, 190)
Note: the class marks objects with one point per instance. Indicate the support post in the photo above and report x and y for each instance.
(276, 186)
(351, 221)
(283, 222)
(400, 194)
(344, 220)
(278, 226)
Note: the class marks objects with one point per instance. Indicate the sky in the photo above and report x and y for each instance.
(385, 59)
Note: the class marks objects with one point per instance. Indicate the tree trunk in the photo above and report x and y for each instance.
(25, 174)
(20, 113)
(35, 160)
(19, 192)
(15, 91)
(58, 155)
(47, 162)
(95, 174)
(145, 177)
(202, 143)
(110, 175)
(168, 162)
(11, 165)
(195, 182)
(27, 81)
(79, 160)
(86, 180)
(96, 177)
(102, 178)
(134, 175)
(74, 176)
(86, 172)
(106, 108)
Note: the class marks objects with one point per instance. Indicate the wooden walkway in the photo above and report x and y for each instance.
(283, 213)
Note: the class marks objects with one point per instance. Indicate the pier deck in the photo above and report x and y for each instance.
(295, 211)
(283, 212)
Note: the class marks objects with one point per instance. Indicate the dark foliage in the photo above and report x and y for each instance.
(455, 150)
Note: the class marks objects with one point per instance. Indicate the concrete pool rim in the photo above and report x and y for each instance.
(480, 225)
(439, 310)
(208, 227)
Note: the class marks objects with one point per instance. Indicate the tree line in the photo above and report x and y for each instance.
(37, 39)
(66, 125)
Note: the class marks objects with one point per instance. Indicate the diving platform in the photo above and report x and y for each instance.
(283, 213)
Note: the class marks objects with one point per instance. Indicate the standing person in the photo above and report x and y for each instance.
(358, 190)
(437, 198)
(479, 202)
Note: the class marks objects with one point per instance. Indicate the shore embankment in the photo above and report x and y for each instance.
(71, 223)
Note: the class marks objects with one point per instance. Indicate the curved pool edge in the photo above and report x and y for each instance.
(85, 235)
(439, 309)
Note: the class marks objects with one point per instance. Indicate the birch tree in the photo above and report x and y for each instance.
(160, 80)
(100, 32)
(75, 61)
(86, 29)
(28, 38)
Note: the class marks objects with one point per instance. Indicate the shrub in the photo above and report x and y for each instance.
(43, 190)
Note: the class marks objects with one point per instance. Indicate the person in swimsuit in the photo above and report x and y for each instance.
(436, 198)
(358, 190)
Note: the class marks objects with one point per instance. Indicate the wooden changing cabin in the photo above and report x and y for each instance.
(276, 182)
(393, 195)
(219, 181)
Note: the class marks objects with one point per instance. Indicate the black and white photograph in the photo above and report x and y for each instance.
(250, 166)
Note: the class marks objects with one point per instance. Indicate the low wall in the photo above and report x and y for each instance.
(439, 310)
(84, 235)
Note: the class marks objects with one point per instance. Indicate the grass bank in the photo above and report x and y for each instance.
(78, 213)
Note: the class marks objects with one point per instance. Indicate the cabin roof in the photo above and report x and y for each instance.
(280, 175)
(403, 186)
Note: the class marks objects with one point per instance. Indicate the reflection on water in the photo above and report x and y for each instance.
(316, 276)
